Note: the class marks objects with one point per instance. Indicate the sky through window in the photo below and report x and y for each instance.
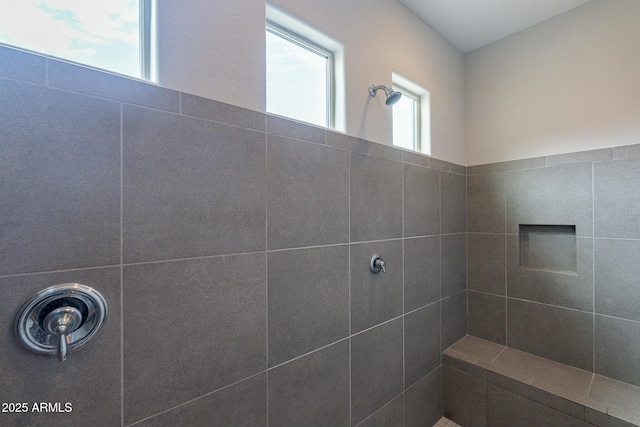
(297, 82)
(102, 34)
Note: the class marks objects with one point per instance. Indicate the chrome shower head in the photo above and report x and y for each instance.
(393, 96)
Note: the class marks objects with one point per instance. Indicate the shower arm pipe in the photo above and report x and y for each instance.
(392, 96)
(373, 89)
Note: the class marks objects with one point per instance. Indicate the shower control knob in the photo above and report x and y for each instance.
(60, 319)
(61, 322)
(377, 264)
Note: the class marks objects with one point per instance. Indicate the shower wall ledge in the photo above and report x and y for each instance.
(485, 383)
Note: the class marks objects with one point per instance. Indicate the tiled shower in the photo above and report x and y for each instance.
(586, 316)
(233, 251)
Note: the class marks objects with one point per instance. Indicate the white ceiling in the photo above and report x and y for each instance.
(470, 24)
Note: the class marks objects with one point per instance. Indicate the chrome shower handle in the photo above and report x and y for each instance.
(377, 264)
(61, 322)
(60, 319)
(62, 347)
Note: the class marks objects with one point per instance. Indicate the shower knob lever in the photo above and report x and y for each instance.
(62, 347)
(61, 322)
(377, 264)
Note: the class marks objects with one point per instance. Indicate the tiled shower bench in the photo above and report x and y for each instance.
(487, 384)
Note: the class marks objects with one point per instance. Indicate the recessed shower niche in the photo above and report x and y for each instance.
(548, 247)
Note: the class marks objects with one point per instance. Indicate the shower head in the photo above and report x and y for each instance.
(393, 96)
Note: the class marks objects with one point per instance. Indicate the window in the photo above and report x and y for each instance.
(299, 78)
(114, 35)
(411, 116)
(406, 120)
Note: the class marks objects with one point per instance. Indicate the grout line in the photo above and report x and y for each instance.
(329, 245)
(160, 261)
(375, 326)
(506, 266)
(197, 398)
(404, 369)
(484, 233)
(315, 350)
(398, 396)
(30, 273)
(423, 237)
(421, 308)
(617, 318)
(349, 296)
(440, 260)
(404, 413)
(466, 252)
(70, 270)
(266, 376)
(627, 239)
(593, 265)
(266, 270)
(499, 354)
(593, 377)
(121, 266)
(549, 305)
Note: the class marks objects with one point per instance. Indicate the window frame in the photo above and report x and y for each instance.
(305, 43)
(146, 46)
(147, 28)
(417, 116)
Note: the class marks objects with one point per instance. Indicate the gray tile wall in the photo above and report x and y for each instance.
(590, 318)
(233, 250)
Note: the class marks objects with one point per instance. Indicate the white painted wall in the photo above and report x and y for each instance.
(569, 84)
(215, 49)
